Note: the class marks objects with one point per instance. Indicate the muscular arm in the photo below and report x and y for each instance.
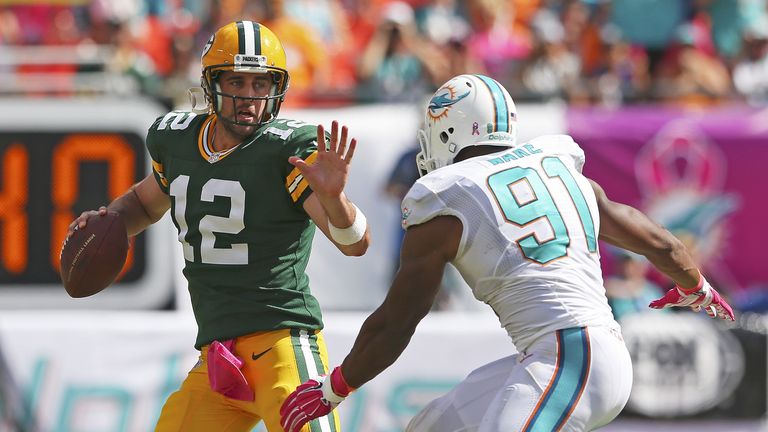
(388, 330)
(341, 214)
(142, 205)
(628, 228)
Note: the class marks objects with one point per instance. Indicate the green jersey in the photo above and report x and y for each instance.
(245, 235)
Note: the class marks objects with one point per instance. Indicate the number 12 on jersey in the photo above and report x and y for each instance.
(524, 209)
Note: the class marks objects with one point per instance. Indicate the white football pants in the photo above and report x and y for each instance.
(575, 379)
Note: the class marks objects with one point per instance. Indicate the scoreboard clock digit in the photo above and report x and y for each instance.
(82, 156)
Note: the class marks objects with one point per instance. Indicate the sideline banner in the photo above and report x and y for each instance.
(699, 173)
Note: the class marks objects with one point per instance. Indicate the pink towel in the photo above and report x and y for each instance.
(224, 372)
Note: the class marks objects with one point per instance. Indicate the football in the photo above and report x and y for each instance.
(92, 257)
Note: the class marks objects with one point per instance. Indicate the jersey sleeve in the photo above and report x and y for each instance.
(424, 202)
(156, 151)
(302, 143)
(562, 145)
(568, 147)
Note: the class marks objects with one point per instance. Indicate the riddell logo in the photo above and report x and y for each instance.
(442, 101)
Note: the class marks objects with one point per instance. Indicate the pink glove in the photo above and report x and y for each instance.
(315, 398)
(703, 296)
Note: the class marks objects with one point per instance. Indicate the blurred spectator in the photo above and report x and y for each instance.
(154, 40)
(651, 24)
(622, 74)
(397, 65)
(440, 21)
(459, 60)
(129, 60)
(688, 76)
(306, 56)
(750, 74)
(327, 20)
(628, 290)
(607, 52)
(551, 71)
(500, 44)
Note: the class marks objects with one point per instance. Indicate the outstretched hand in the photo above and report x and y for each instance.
(703, 297)
(327, 175)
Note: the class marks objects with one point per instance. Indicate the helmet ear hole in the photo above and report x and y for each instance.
(443, 137)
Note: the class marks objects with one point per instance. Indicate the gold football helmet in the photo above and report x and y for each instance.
(245, 46)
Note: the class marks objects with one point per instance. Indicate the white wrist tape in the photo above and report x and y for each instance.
(351, 234)
(328, 393)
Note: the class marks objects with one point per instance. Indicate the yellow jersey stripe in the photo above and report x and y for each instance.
(295, 172)
(299, 190)
(204, 138)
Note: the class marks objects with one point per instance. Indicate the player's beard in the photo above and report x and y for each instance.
(239, 131)
(251, 114)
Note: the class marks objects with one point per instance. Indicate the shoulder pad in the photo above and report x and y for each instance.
(423, 201)
(561, 145)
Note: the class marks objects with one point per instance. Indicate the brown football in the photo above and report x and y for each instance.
(92, 257)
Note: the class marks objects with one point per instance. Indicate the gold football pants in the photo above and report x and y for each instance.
(275, 363)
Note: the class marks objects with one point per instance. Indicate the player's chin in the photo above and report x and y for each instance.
(240, 127)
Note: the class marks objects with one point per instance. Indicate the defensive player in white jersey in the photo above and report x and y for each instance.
(520, 222)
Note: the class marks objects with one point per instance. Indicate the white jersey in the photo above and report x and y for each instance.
(529, 243)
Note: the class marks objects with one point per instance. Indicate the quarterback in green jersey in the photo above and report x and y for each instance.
(246, 191)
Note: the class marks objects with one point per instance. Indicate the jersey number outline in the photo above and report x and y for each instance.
(209, 225)
(541, 205)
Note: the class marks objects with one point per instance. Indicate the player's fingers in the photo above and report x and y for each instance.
(351, 151)
(298, 163)
(102, 211)
(334, 135)
(342, 141)
(321, 138)
(286, 419)
(725, 312)
(82, 221)
(298, 422)
(287, 405)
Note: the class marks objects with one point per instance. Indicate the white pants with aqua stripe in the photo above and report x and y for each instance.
(575, 379)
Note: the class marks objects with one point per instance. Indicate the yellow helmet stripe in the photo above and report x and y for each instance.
(249, 38)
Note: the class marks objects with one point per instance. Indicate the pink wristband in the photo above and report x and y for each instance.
(339, 384)
(694, 289)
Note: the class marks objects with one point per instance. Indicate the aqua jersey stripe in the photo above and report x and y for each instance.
(568, 384)
(500, 104)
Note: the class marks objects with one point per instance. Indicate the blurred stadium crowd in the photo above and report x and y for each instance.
(599, 52)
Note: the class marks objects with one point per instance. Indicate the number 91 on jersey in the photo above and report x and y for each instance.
(59, 158)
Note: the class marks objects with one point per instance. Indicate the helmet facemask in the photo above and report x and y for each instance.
(278, 79)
